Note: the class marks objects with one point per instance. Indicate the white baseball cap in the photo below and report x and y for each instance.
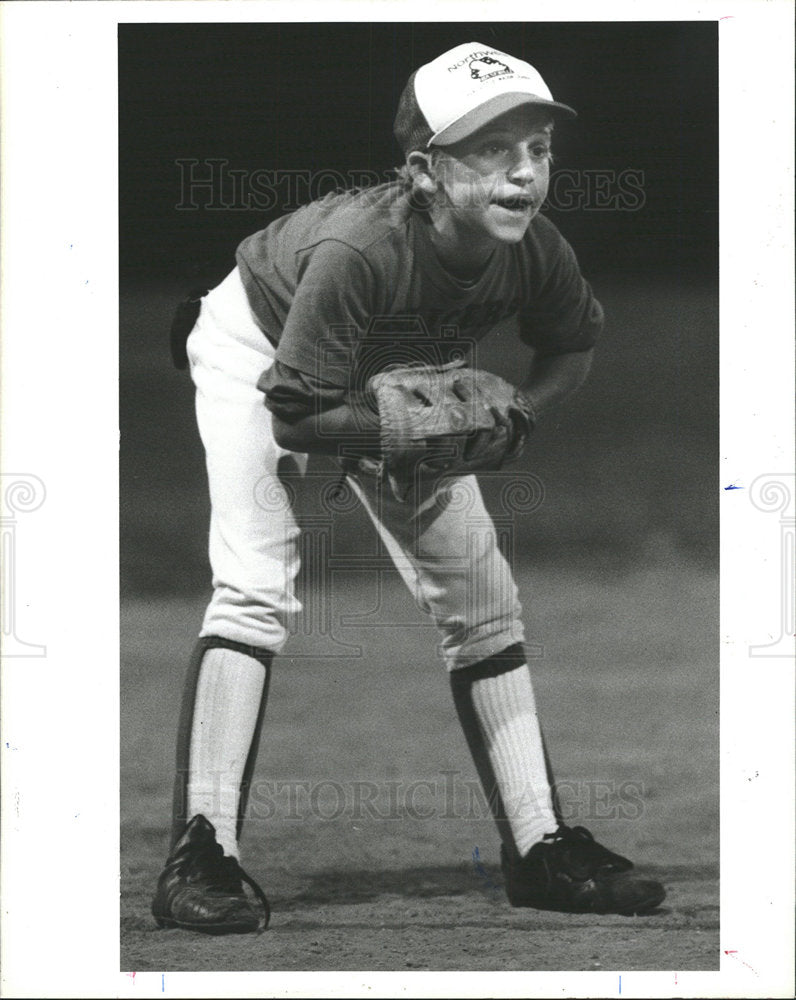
(463, 89)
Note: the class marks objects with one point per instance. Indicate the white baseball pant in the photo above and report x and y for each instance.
(444, 546)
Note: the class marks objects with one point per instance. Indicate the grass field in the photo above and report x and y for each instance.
(628, 692)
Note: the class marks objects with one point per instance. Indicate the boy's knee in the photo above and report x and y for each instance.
(465, 646)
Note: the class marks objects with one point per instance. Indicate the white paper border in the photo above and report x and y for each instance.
(59, 362)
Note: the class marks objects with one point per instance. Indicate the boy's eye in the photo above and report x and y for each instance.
(495, 148)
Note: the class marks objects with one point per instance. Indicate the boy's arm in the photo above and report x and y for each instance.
(354, 425)
(330, 431)
(553, 377)
(310, 414)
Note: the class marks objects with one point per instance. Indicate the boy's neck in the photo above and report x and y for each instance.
(465, 259)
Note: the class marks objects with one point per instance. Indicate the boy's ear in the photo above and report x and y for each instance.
(422, 172)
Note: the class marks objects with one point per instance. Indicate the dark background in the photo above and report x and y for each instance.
(629, 465)
(322, 97)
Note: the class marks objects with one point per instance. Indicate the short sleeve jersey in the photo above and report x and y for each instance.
(351, 283)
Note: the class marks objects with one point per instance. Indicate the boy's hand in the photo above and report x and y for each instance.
(446, 418)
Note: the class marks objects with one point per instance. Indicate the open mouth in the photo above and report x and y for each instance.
(517, 203)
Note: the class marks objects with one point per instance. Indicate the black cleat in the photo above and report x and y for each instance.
(201, 888)
(574, 874)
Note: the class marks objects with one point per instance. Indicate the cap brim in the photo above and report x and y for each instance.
(475, 119)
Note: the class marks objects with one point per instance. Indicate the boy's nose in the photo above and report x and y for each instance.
(522, 170)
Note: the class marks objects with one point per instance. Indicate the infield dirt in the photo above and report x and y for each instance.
(362, 877)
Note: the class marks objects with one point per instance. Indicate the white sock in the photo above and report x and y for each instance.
(506, 710)
(228, 696)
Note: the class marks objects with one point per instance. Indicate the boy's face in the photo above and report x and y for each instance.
(493, 182)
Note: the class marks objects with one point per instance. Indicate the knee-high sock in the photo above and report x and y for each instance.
(223, 708)
(497, 710)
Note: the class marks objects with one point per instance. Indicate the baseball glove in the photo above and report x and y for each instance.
(446, 419)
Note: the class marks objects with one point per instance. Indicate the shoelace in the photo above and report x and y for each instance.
(259, 894)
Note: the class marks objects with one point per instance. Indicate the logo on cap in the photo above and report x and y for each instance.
(478, 65)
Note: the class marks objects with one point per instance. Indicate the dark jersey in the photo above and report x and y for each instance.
(351, 283)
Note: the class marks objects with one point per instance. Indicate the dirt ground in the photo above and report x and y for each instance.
(366, 831)
(365, 826)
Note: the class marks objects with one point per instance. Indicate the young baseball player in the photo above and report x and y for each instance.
(289, 358)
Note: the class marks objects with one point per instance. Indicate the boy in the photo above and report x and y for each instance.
(457, 245)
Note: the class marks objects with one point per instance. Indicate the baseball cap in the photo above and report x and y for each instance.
(463, 89)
